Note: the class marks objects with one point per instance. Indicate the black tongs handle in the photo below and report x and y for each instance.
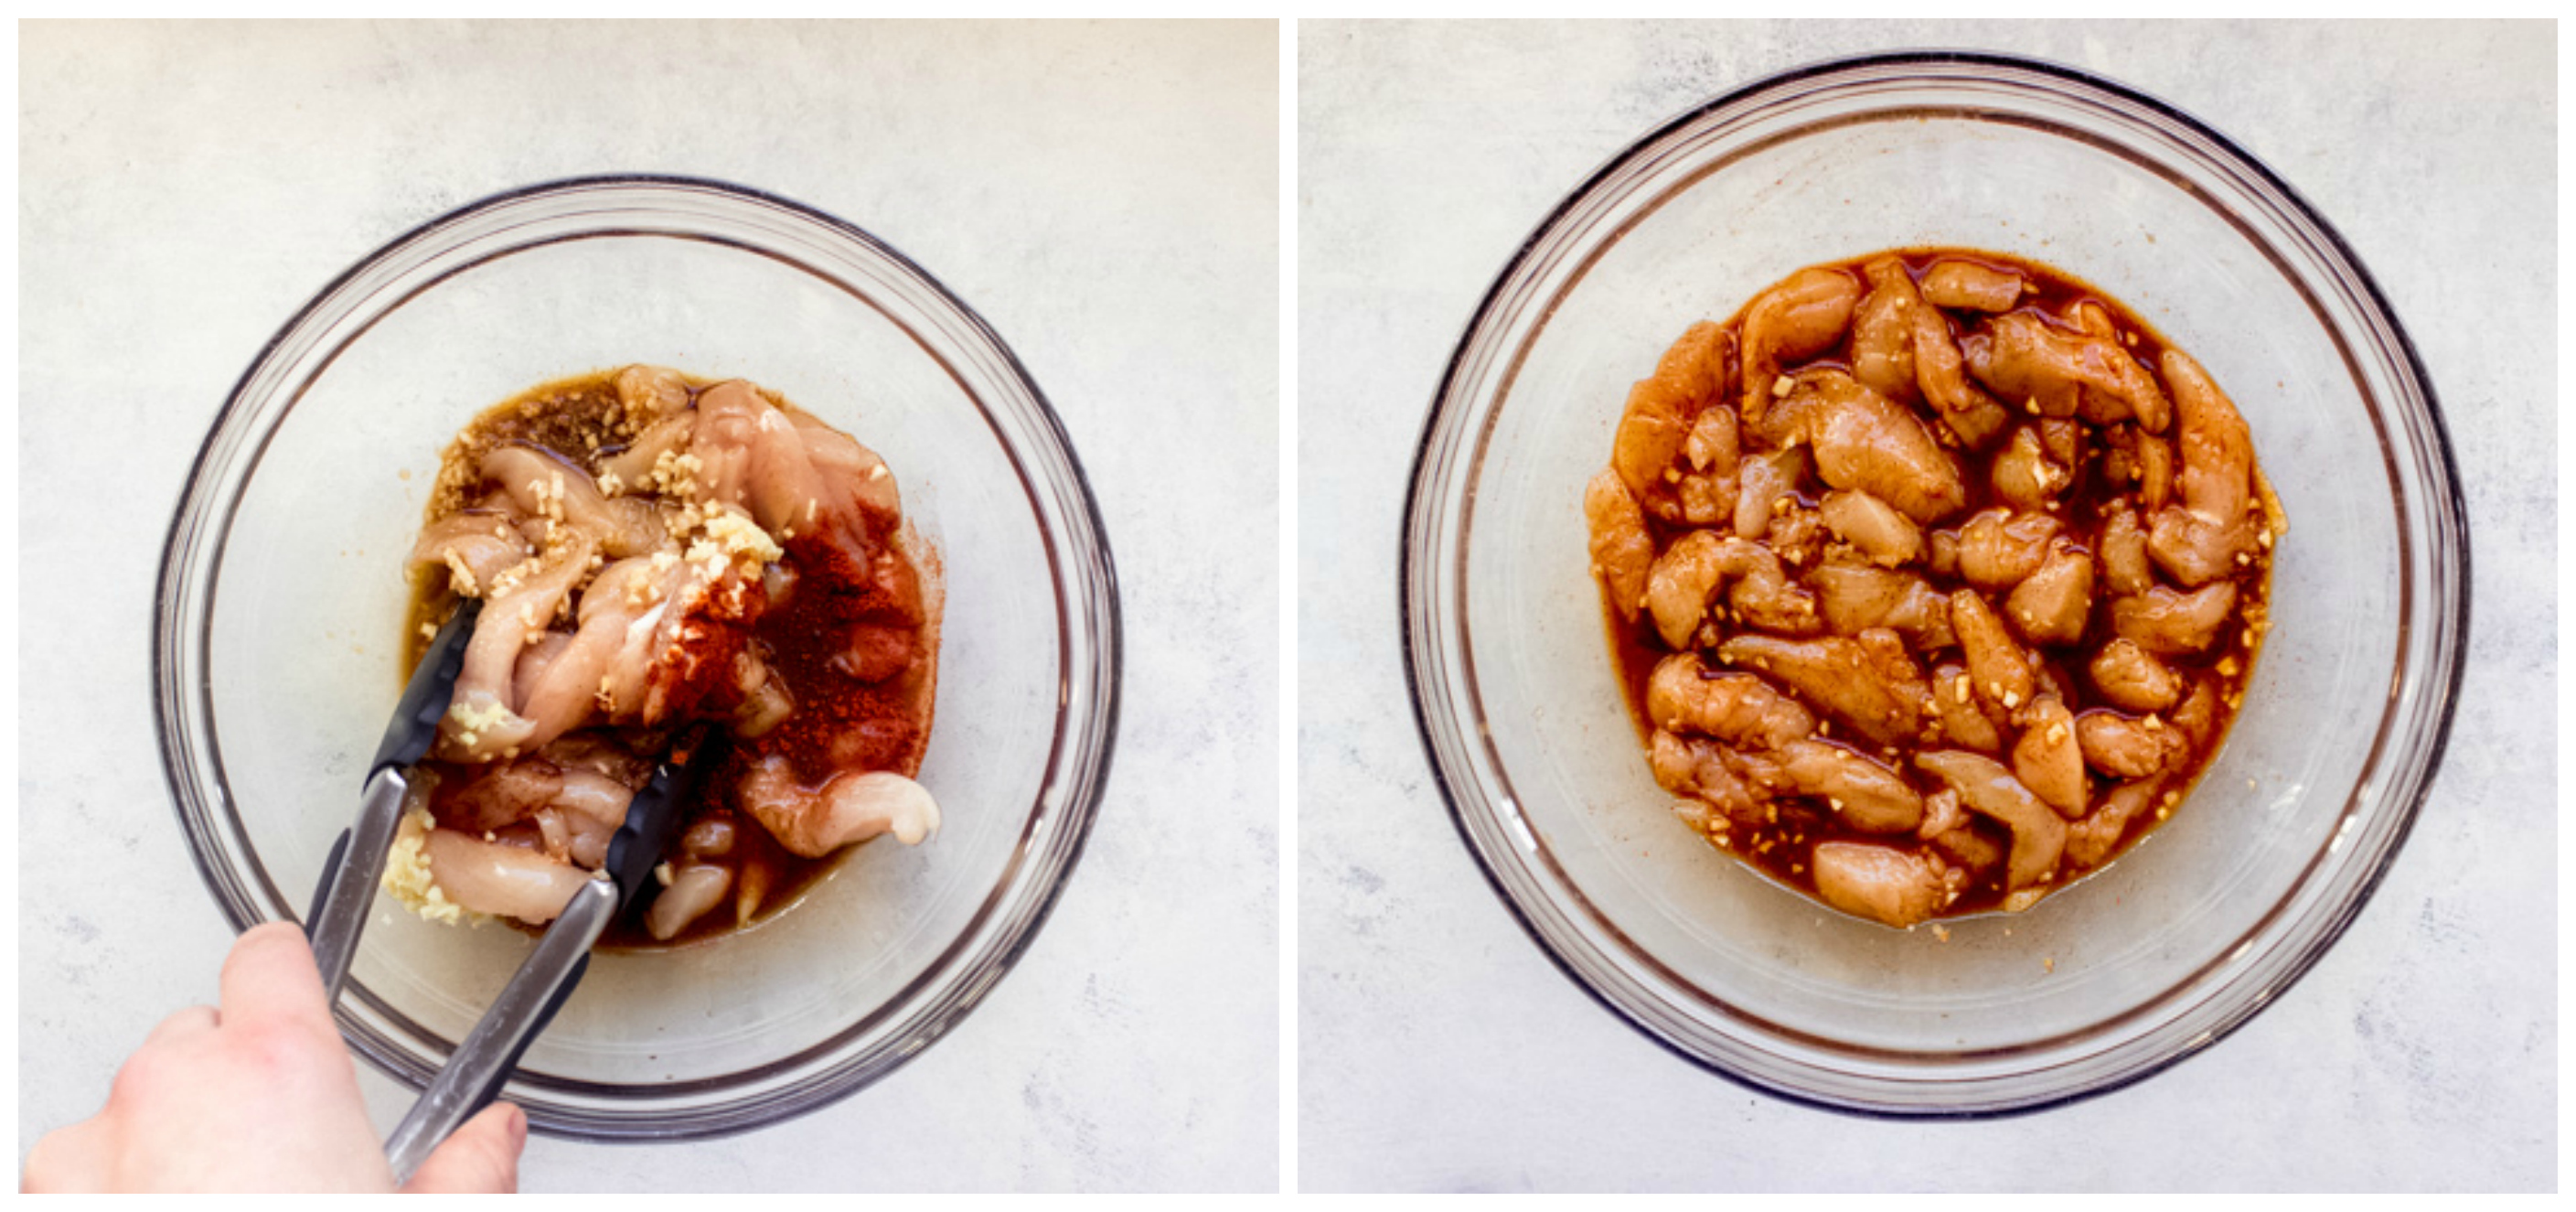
(430, 692)
(476, 1071)
(350, 876)
(480, 1066)
(357, 861)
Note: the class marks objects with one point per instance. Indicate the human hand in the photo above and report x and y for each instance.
(258, 1096)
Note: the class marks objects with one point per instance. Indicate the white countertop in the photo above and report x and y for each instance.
(1438, 1046)
(1107, 198)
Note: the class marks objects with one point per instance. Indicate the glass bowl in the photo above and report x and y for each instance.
(277, 634)
(2196, 928)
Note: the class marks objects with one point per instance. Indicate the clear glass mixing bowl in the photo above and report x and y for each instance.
(2194, 930)
(277, 633)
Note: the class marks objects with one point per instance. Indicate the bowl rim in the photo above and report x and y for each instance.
(2412, 370)
(1089, 619)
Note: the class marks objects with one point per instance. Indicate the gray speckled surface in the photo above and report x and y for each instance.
(1440, 1049)
(1107, 197)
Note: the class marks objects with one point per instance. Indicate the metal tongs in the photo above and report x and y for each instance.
(475, 1072)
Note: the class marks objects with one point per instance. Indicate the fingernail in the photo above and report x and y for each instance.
(518, 1126)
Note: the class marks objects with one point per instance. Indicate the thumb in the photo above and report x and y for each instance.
(481, 1158)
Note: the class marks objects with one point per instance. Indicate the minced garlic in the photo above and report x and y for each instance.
(471, 720)
(741, 536)
(459, 575)
(408, 878)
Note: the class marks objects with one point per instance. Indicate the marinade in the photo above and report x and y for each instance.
(658, 553)
(1934, 578)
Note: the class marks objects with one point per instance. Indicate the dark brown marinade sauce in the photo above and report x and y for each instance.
(840, 721)
(1781, 846)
